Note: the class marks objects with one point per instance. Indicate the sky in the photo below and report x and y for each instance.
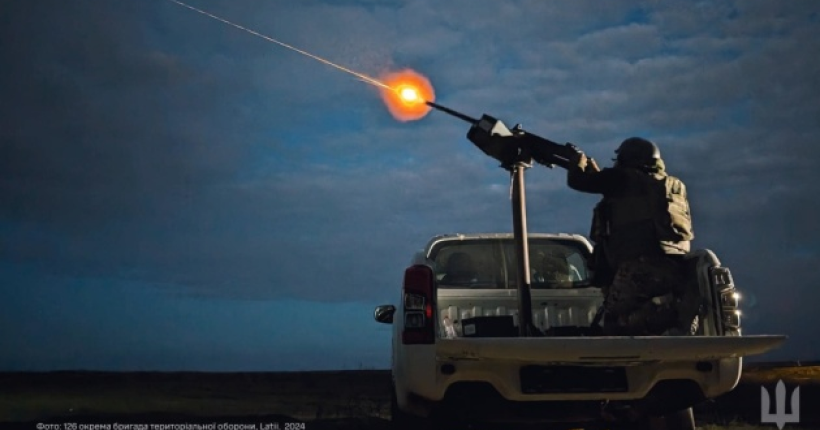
(176, 194)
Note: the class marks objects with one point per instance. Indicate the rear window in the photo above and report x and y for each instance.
(554, 263)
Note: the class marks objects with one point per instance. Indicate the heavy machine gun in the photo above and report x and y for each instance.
(511, 146)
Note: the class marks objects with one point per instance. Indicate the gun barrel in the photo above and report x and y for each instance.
(456, 114)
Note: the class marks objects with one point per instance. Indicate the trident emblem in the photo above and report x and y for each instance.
(779, 417)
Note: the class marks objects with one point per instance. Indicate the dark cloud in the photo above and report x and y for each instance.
(98, 127)
(147, 142)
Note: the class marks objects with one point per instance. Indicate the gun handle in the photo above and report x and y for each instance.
(592, 165)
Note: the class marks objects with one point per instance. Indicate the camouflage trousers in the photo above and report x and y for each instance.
(648, 297)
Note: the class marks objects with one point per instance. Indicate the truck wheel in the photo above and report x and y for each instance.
(683, 419)
(400, 420)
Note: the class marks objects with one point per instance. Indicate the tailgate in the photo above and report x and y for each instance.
(606, 349)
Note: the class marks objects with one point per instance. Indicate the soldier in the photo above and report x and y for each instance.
(641, 228)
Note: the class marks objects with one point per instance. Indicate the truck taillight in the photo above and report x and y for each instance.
(728, 298)
(419, 327)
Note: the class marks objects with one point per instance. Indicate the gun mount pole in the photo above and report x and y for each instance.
(519, 208)
(456, 114)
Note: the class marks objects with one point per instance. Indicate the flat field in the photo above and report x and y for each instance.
(304, 400)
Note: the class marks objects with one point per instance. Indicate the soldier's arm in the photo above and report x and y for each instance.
(584, 175)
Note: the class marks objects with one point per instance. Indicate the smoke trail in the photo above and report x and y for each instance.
(363, 77)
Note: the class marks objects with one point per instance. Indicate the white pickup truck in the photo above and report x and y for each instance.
(457, 356)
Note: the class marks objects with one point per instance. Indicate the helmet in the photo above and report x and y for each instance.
(637, 151)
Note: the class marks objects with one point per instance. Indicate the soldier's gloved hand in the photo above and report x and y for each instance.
(579, 159)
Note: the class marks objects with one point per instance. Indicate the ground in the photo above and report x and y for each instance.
(320, 400)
